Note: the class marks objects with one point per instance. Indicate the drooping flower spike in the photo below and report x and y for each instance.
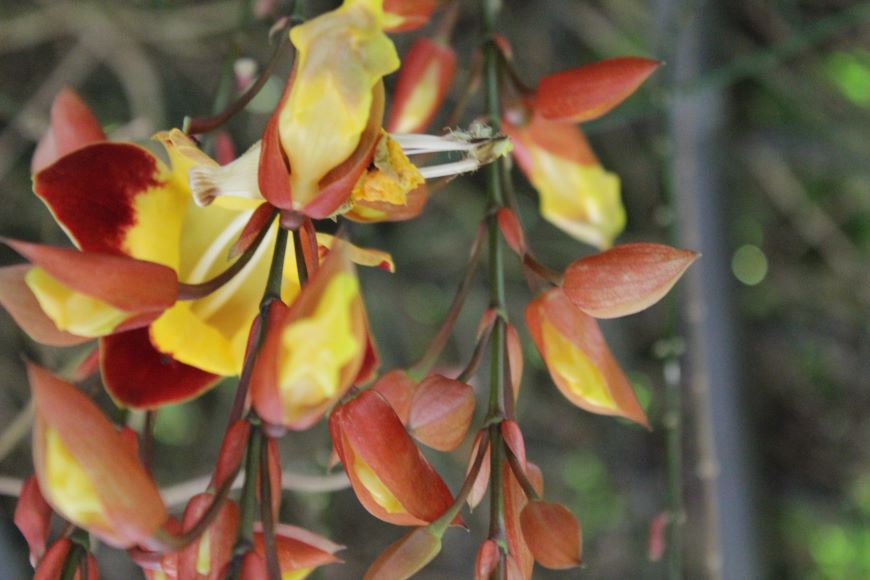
(576, 193)
(86, 470)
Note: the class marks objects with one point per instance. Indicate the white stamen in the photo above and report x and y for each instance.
(445, 169)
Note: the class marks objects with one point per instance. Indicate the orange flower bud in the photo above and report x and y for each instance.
(578, 359)
(405, 15)
(424, 79)
(206, 557)
(405, 557)
(588, 92)
(389, 475)
(72, 126)
(398, 389)
(441, 412)
(51, 566)
(486, 561)
(625, 279)
(299, 551)
(552, 533)
(512, 231)
(33, 517)
(86, 471)
(315, 349)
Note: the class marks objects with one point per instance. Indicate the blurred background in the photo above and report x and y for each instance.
(750, 145)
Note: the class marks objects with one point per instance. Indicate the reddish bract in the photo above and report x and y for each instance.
(553, 535)
(441, 412)
(32, 518)
(625, 279)
(405, 557)
(206, 562)
(588, 92)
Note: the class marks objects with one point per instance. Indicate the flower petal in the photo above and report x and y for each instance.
(72, 126)
(552, 534)
(389, 475)
(77, 452)
(398, 389)
(441, 412)
(588, 92)
(424, 79)
(625, 279)
(578, 359)
(17, 298)
(138, 376)
(299, 551)
(405, 557)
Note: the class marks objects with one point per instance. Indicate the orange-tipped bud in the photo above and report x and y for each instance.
(625, 279)
(588, 92)
(398, 389)
(51, 566)
(486, 561)
(389, 475)
(32, 518)
(512, 231)
(72, 126)
(405, 15)
(321, 136)
(315, 349)
(299, 551)
(405, 557)
(86, 472)
(206, 557)
(478, 488)
(231, 453)
(578, 359)
(552, 534)
(514, 501)
(577, 194)
(424, 79)
(441, 412)
(94, 294)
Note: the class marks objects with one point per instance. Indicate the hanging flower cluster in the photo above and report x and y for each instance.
(184, 272)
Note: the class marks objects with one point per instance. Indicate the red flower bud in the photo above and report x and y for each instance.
(33, 517)
(206, 557)
(552, 533)
(405, 557)
(441, 412)
(299, 551)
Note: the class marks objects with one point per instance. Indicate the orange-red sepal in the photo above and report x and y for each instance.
(625, 279)
(398, 389)
(51, 566)
(441, 412)
(19, 301)
(514, 358)
(512, 231)
(32, 518)
(614, 394)
(405, 557)
(72, 126)
(220, 535)
(408, 14)
(259, 220)
(131, 507)
(588, 92)
(426, 58)
(125, 283)
(297, 548)
(138, 376)
(231, 453)
(367, 429)
(552, 534)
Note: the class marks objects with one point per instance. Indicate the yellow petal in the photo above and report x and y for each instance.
(341, 56)
(70, 310)
(375, 487)
(68, 485)
(580, 374)
(582, 200)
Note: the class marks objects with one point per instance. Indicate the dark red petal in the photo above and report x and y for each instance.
(92, 192)
(587, 92)
(19, 301)
(260, 219)
(136, 375)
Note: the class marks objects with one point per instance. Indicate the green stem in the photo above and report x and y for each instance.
(276, 269)
(301, 267)
(248, 499)
(71, 564)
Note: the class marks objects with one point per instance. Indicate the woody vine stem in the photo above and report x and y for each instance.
(495, 199)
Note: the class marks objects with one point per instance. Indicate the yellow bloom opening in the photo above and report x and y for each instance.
(68, 486)
(341, 56)
(316, 348)
(379, 492)
(73, 311)
(576, 370)
(582, 200)
(391, 177)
